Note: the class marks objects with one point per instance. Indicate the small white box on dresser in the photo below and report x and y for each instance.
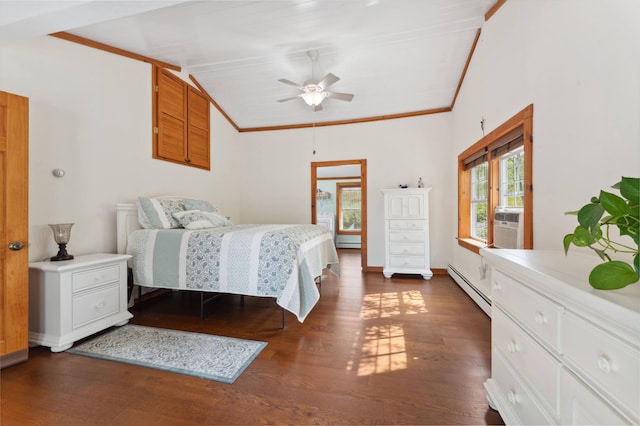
(73, 299)
(562, 351)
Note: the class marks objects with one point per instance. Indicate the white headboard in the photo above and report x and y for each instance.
(127, 221)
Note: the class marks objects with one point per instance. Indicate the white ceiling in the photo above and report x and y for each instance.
(396, 56)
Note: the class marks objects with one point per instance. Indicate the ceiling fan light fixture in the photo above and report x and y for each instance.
(313, 97)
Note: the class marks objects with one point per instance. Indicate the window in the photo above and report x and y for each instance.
(348, 207)
(496, 171)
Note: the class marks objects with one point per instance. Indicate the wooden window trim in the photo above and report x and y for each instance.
(523, 119)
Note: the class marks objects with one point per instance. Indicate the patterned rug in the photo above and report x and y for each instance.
(196, 354)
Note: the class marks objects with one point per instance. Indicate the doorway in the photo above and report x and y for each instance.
(344, 170)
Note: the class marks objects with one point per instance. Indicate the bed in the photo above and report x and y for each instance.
(282, 261)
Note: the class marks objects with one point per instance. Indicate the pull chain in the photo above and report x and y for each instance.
(313, 129)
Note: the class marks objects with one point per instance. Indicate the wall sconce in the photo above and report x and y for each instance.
(61, 234)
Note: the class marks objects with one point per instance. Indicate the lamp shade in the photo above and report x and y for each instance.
(61, 232)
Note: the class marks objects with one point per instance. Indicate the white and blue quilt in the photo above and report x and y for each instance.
(278, 261)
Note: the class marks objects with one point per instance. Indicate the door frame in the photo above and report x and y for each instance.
(363, 185)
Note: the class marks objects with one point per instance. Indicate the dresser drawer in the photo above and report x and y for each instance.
(537, 313)
(407, 261)
(406, 236)
(417, 225)
(516, 394)
(95, 304)
(95, 277)
(416, 249)
(610, 363)
(527, 357)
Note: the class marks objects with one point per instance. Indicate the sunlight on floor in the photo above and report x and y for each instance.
(384, 305)
(382, 348)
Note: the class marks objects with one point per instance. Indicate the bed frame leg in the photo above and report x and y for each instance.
(283, 320)
(202, 306)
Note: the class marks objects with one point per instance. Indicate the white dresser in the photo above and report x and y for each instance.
(406, 232)
(562, 352)
(73, 299)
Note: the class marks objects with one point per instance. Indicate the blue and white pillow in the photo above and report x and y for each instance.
(202, 205)
(155, 213)
(196, 219)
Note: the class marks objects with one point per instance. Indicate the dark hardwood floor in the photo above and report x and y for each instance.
(373, 351)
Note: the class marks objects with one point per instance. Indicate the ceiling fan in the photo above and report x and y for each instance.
(314, 93)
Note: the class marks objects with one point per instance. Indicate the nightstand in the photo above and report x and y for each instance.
(73, 299)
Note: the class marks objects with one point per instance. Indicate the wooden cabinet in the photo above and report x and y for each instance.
(14, 229)
(73, 299)
(562, 352)
(406, 217)
(181, 121)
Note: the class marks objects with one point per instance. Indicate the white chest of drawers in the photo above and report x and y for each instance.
(73, 299)
(406, 233)
(562, 352)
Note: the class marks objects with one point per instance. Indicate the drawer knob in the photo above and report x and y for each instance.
(513, 397)
(100, 304)
(513, 347)
(540, 318)
(604, 365)
(497, 286)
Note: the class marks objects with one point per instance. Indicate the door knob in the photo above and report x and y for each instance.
(16, 245)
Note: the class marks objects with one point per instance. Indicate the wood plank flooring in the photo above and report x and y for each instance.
(373, 351)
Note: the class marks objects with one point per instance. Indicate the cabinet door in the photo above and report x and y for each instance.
(406, 206)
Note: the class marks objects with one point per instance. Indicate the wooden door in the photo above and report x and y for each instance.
(14, 230)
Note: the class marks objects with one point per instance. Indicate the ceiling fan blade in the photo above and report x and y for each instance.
(288, 99)
(327, 81)
(290, 83)
(340, 96)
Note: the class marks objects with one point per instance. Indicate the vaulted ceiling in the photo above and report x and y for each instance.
(398, 57)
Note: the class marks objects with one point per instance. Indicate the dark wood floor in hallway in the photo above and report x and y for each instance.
(373, 351)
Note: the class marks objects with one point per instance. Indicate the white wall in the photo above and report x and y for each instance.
(277, 181)
(578, 63)
(90, 114)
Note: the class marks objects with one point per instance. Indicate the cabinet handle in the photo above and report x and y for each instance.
(540, 318)
(604, 364)
(513, 397)
(497, 286)
(513, 347)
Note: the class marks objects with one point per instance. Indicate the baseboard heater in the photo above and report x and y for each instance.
(476, 295)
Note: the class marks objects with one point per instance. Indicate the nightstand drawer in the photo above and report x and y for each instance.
(94, 277)
(93, 305)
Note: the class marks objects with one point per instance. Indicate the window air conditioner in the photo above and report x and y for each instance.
(507, 228)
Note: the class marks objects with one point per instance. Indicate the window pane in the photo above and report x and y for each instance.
(479, 191)
(512, 179)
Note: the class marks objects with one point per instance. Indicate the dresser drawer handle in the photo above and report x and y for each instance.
(540, 318)
(100, 304)
(604, 365)
(497, 286)
(513, 347)
(513, 397)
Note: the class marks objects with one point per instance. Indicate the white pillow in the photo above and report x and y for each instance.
(193, 219)
(217, 219)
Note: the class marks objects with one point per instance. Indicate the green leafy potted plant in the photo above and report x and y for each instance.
(596, 219)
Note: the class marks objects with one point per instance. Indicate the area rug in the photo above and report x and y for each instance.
(203, 355)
